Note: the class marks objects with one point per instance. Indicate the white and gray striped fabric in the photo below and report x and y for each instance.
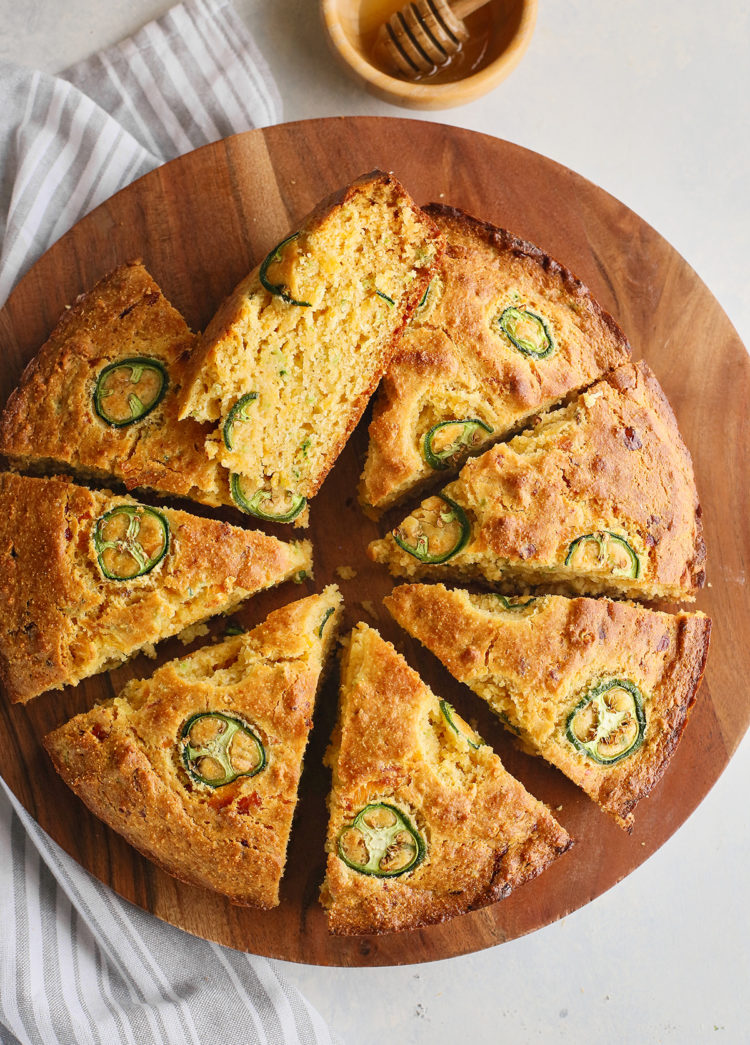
(77, 963)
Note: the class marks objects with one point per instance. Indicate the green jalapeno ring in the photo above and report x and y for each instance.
(218, 749)
(442, 459)
(610, 720)
(421, 550)
(513, 603)
(252, 505)
(507, 321)
(426, 294)
(448, 712)
(601, 538)
(279, 290)
(129, 544)
(237, 413)
(138, 409)
(324, 621)
(380, 842)
(389, 301)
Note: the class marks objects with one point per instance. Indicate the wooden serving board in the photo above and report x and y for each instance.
(200, 223)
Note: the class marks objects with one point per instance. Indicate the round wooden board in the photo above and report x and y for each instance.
(200, 223)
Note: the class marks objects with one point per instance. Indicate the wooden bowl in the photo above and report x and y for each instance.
(505, 26)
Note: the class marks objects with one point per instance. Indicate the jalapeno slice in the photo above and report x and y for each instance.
(281, 506)
(218, 748)
(527, 331)
(389, 301)
(429, 300)
(324, 621)
(448, 441)
(128, 390)
(450, 716)
(449, 532)
(609, 723)
(515, 603)
(279, 290)
(130, 541)
(603, 552)
(381, 841)
(237, 413)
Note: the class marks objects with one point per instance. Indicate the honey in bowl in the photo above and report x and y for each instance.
(490, 28)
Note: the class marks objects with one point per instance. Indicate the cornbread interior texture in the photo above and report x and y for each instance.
(62, 620)
(533, 664)
(126, 760)
(50, 422)
(454, 361)
(609, 466)
(360, 264)
(484, 833)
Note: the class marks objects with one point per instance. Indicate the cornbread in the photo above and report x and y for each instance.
(600, 689)
(288, 363)
(100, 398)
(458, 380)
(198, 766)
(425, 823)
(90, 579)
(598, 497)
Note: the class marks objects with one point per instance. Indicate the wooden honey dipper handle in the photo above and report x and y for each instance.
(424, 35)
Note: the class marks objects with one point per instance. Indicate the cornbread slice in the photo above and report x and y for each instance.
(456, 366)
(289, 362)
(425, 823)
(599, 497)
(600, 689)
(100, 398)
(198, 766)
(90, 579)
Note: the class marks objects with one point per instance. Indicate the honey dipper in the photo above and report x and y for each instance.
(424, 35)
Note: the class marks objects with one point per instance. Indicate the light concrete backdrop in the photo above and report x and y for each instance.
(650, 100)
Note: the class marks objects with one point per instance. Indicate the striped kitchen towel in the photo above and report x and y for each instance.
(77, 963)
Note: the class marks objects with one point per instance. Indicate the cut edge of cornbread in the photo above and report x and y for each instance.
(309, 384)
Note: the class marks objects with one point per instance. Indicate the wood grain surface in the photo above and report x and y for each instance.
(200, 223)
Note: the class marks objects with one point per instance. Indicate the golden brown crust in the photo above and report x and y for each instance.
(451, 363)
(62, 620)
(123, 759)
(612, 461)
(534, 665)
(253, 330)
(50, 423)
(485, 834)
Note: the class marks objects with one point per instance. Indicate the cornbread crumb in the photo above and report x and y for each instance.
(286, 367)
(346, 573)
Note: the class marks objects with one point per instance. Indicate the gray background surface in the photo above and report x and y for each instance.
(652, 102)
